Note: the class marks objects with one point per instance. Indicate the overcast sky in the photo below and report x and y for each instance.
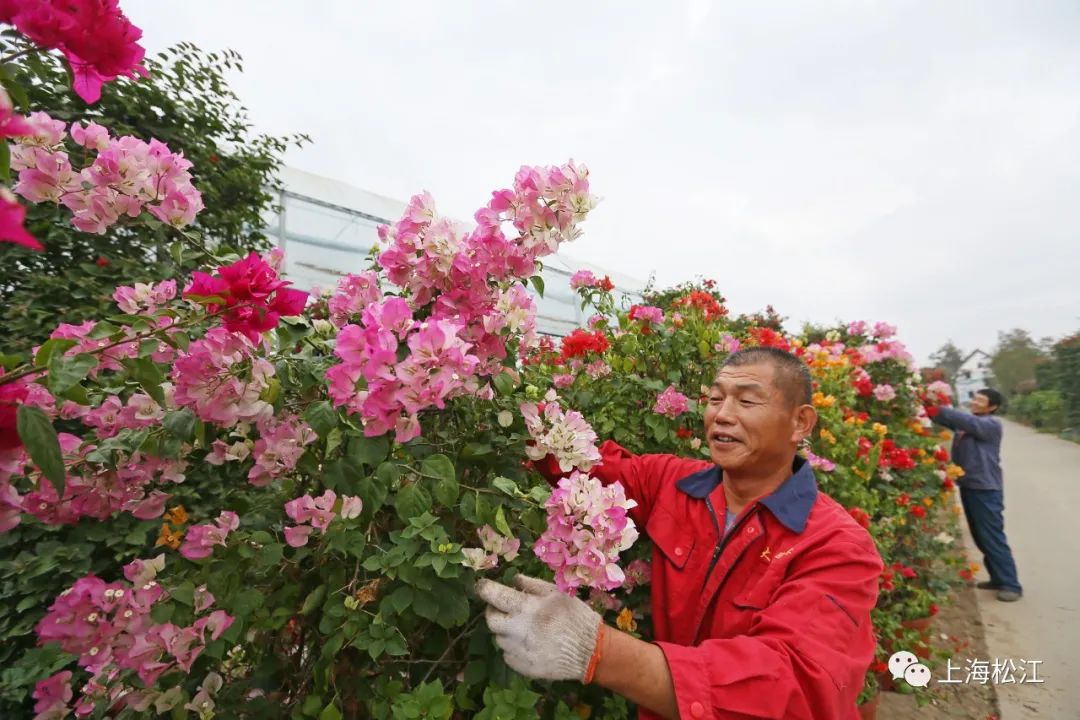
(914, 162)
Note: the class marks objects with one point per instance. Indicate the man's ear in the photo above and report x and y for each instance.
(806, 418)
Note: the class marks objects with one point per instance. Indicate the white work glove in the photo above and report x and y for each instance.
(543, 633)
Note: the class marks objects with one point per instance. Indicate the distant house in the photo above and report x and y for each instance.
(327, 228)
(974, 375)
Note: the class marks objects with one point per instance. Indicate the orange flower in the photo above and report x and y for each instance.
(169, 538)
(625, 621)
(828, 436)
(824, 401)
(928, 501)
(177, 515)
(954, 471)
(583, 711)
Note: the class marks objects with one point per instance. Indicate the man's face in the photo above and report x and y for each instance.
(980, 404)
(749, 424)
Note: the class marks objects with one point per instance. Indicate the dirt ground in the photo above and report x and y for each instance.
(958, 633)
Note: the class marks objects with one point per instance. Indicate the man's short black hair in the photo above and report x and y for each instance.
(995, 398)
(792, 375)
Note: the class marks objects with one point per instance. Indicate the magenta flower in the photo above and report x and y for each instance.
(671, 403)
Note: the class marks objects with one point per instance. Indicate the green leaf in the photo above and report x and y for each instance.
(184, 593)
(322, 418)
(442, 470)
(269, 555)
(330, 712)
(149, 376)
(368, 451)
(56, 345)
(401, 598)
(538, 283)
(333, 440)
(411, 501)
(506, 485)
(67, 372)
(180, 424)
(313, 600)
(504, 384)
(5, 161)
(103, 330)
(39, 436)
(500, 522)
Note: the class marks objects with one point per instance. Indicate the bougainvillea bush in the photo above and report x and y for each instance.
(272, 503)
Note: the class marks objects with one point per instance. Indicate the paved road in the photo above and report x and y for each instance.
(1042, 521)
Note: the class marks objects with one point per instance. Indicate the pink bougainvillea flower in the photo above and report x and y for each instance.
(12, 217)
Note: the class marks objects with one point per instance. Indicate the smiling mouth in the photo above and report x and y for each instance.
(721, 439)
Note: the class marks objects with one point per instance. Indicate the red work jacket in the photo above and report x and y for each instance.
(771, 620)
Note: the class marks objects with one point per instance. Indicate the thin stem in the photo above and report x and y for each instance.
(17, 55)
(468, 627)
(18, 375)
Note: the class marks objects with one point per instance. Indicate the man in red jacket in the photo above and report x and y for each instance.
(762, 586)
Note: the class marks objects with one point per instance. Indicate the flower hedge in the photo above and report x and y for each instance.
(251, 501)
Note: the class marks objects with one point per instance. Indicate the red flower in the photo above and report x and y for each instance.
(606, 284)
(581, 342)
(918, 511)
(102, 261)
(903, 500)
(861, 516)
(252, 293)
(684, 433)
(864, 387)
(768, 337)
(941, 455)
(948, 484)
(933, 609)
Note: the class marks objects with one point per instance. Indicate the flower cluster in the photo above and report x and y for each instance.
(466, 286)
(580, 343)
(671, 403)
(493, 546)
(702, 301)
(251, 294)
(312, 514)
(565, 435)
(201, 539)
(98, 41)
(222, 379)
(144, 298)
(587, 527)
(109, 627)
(126, 176)
(645, 314)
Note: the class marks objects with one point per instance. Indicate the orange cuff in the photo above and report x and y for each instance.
(590, 670)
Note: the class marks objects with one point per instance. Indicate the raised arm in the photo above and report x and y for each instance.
(984, 427)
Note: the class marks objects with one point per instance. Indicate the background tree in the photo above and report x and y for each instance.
(949, 358)
(1014, 360)
(185, 103)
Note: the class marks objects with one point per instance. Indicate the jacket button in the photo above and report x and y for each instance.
(697, 709)
(679, 552)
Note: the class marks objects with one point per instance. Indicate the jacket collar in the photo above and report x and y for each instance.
(790, 503)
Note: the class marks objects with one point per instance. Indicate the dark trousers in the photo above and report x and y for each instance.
(985, 513)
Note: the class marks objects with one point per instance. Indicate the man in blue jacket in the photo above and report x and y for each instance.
(976, 448)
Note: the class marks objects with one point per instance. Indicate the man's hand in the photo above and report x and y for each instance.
(543, 633)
